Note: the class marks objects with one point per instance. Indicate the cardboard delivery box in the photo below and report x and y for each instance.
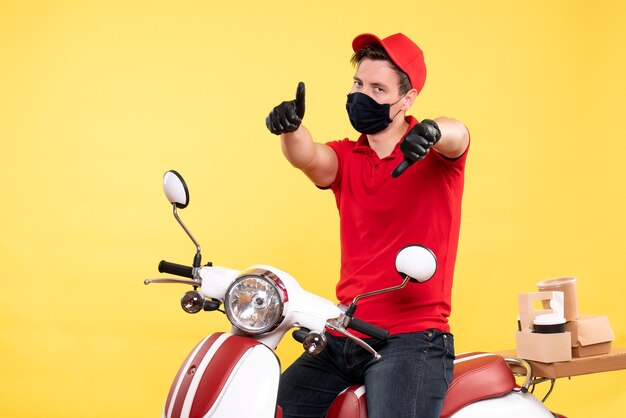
(546, 348)
(591, 335)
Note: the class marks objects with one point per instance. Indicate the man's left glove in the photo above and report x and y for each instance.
(417, 143)
(287, 116)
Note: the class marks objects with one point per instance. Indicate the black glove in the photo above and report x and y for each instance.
(287, 116)
(416, 144)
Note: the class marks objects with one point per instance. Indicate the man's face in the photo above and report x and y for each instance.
(377, 79)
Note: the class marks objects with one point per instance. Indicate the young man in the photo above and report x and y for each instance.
(400, 183)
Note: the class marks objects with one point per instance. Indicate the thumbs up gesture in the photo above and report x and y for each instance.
(287, 116)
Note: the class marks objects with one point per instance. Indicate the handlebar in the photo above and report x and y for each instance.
(368, 329)
(175, 269)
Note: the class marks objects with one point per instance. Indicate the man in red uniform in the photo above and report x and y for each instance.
(386, 201)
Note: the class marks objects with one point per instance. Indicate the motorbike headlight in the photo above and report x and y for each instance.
(254, 302)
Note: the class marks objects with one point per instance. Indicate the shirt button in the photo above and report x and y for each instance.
(375, 165)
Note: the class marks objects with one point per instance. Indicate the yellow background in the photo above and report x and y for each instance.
(98, 99)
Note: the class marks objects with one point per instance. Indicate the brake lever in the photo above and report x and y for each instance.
(181, 281)
(335, 326)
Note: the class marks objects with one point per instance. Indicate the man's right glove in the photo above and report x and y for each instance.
(416, 144)
(287, 116)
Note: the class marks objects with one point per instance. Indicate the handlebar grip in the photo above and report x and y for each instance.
(300, 334)
(176, 269)
(369, 329)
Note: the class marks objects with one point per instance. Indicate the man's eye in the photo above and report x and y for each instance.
(358, 83)
(379, 90)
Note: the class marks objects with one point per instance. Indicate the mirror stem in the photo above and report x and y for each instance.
(188, 233)
(352, 307)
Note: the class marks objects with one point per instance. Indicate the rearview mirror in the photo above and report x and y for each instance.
(416, 262)
(175, 189)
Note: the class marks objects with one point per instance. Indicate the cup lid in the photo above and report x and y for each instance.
(561, 281)
(549, 319)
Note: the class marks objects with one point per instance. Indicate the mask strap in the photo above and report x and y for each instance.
(402, 97)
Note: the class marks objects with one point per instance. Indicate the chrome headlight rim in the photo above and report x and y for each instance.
(273, 280)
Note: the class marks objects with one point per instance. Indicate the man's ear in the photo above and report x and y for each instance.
(408, 99)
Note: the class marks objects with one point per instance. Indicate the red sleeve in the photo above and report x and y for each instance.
(342, 149)
(452, 163)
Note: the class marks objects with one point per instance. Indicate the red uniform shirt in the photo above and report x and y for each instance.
(380, 215)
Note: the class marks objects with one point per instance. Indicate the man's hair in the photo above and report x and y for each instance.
(377, 52)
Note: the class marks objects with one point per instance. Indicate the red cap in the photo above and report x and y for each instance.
(402, 51)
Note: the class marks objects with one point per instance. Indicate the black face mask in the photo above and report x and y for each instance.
(366, 115)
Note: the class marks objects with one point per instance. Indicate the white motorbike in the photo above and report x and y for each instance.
(236, 374)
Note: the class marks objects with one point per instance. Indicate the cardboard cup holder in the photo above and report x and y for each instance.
(542, 336)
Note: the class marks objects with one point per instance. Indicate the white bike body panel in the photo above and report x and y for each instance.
(513, 405)
(252, 388)
(215, 281)
(225, 376)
